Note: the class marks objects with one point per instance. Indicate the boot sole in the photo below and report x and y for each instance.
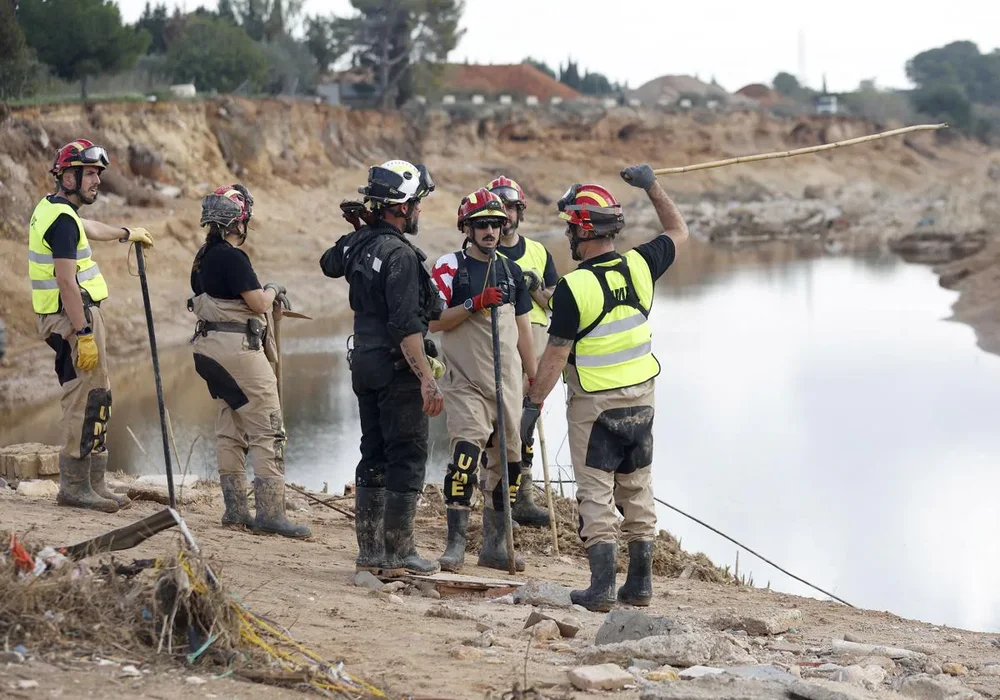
(260, 531)
(499, 566)
(376, 570)
(91, 506)
(450, 568)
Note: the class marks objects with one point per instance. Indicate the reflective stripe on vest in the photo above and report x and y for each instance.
(534, 258)
(613, 349)
(41, 264)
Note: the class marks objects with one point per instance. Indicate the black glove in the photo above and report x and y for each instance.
(430, 349)
(530, 413)
(278, 289)
(640, 176)
(531, 280)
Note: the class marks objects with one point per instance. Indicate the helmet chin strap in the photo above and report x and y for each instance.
(78, 176)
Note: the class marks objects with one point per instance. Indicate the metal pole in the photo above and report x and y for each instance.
(156, 372)
(504, 476)
(548, 487)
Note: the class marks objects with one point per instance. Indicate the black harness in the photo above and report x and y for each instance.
(461, 288)
(612, 301)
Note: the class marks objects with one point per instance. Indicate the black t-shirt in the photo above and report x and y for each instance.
(223, 272)
(658, 253)
(63, 236)
(514, 252)
(446, 269)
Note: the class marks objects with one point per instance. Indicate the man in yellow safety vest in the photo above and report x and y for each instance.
(67, 289)
(599, 326)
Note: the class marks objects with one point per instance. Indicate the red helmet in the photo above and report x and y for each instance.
(481, 204)
(508, 190)
(80, 153)
(592, 208)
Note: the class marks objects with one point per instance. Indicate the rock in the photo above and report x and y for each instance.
(762, 672)
(26, 685)
(954, 669)
(447, 612)
(545, 630)
(924, 687)
(187, 480)
(716, 687)
(131, 671)
(3, 484)
(395, 599)
(483, 627)
(844, 647)
(38, 488)
(143, 161)
(953, 637)
(484, 641)
(883, 662)
(778, 645)
(825, 690)
(505, 599)
(195, 680)
(627, 625)
(600, 677)
(991, 670)
(699, 671)
(536, 592)
(394, 586)
(568, 627)
(465, 653)
(727, 652)
(874, 677)
(853, 674)
(849, 637)
(366, 579)
(932, 669)
(681, 649)
(11, 657)
(659, 676)
(758, 625)
(928, 649)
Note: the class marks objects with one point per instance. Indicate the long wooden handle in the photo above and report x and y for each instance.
(798, 151)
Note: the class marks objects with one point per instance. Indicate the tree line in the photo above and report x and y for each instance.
(256, 46)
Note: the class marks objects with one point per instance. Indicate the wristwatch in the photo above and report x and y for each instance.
(86, 330)
(469, 305)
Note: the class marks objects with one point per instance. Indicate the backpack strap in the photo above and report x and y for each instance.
(611, 301)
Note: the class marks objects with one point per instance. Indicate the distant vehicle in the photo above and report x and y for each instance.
(826, 104)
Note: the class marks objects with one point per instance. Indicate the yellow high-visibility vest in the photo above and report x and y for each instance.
(613, 347)
(534, 258)
(41, 265)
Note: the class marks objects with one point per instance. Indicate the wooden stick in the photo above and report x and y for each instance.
(548, 487)
(798, 151)
(305, 493)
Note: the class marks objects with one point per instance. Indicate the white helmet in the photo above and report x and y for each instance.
(397, 182)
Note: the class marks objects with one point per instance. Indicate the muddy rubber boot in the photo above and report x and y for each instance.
(493, 554)
(401, 556)
(525, 511)
(369, 514)
(454, 553)
(74, 486)
(638, 588)
(234, 493)
(600, 597)
(270, 497)
(98, 468)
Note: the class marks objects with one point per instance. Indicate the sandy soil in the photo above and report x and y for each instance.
(307, 586)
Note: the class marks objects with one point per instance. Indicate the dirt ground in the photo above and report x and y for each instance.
(307, 586)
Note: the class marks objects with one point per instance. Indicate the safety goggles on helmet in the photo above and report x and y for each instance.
(397, 185)
(508, 195)
(94, 155)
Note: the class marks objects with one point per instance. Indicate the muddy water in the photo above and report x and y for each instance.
(820, 410)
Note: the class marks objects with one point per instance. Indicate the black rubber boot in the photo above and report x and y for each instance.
(369, 514)
(493, 554)
(234, 493)
(401, 555)
(454, 553)
(270, 497)
(98, 468)
(638, 588)
(600, 597)
(74, 486)
(524, 511)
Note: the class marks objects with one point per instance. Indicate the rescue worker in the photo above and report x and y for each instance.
(599, 325)
(393, 301)
(232, 349)
(67, 289)
(540, 277)
(469, 384)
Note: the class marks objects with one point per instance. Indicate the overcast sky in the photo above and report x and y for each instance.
(735, 41)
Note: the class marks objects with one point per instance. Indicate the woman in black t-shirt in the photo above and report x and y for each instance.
(232, 350)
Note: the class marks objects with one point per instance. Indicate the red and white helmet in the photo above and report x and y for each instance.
(80, 153)
(228, 205)
(479, 205)
(508, 190)
(592, 208)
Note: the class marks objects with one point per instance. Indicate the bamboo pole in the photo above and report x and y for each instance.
(798, 151)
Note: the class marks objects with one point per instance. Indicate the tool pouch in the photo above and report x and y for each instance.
(255, 334)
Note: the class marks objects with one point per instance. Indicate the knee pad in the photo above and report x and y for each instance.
(514, 480)
(96, 415)
(461, 476)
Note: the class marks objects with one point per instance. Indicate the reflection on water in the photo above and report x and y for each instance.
(819, 410)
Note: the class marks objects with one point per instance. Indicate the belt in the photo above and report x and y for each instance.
(221, 326)
(372, 341)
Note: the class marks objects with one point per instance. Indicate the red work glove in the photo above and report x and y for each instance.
(490, 297)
